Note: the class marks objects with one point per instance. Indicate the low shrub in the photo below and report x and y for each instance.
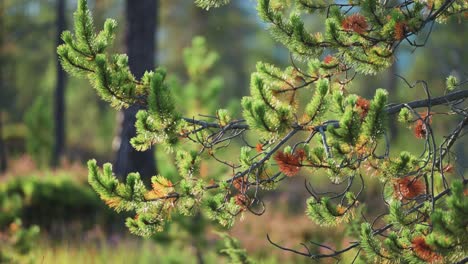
(55, 202)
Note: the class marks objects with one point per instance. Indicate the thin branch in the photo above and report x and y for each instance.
(390, 109)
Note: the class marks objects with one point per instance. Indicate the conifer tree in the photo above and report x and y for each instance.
(200, 64)
(17, 242)
(299, 120)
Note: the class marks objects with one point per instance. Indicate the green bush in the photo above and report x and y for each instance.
(51, 200)
(16, 242)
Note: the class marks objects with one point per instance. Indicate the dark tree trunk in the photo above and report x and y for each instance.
(141, 18)
(59, 106)
(3, 160)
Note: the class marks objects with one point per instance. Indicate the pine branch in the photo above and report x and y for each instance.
(359, 41)
(357, 244)
(390, 109)
(441, 100)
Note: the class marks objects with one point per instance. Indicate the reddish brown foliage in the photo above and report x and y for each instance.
(420, 127)
(364, 105)
(408, 188)
(400, 30)
(290, 164)
(424, 251)
(14, 227)
(341, 209)
(448, 168)
(162, 187)
(328, 59)
(259, 147)
(242, 200)
(240, 184)
(356, 23)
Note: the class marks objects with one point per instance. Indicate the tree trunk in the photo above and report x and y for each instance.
(59, 106)
(141, 42)
(3, 160)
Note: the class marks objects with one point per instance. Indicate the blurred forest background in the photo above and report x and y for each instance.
(51, 124)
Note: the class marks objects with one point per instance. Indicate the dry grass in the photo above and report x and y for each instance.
(115, 251)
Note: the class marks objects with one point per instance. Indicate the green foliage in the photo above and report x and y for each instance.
(236, 254)
(11, 205)
(160, 123)
(285, 109)
(223, 116)
(325, 213)
(188, 163)
(317, 106)
(207, 4)
(345, 42)
(403, 165)
(370, 244)
(83, 55)
(203, 87)
(397, 215)
(263, 111)
(451, 83)
(217, 209)
(416, 243)
(122, 197)
(50, 199)
(350, 125)
(148, 221)
(375, 121)
(17, 242)
(128, 250)
(39, 139)
(405, 116)
(450, 224)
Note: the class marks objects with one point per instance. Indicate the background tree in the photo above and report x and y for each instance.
(234, 31)
(141, 46)
(203, 83)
